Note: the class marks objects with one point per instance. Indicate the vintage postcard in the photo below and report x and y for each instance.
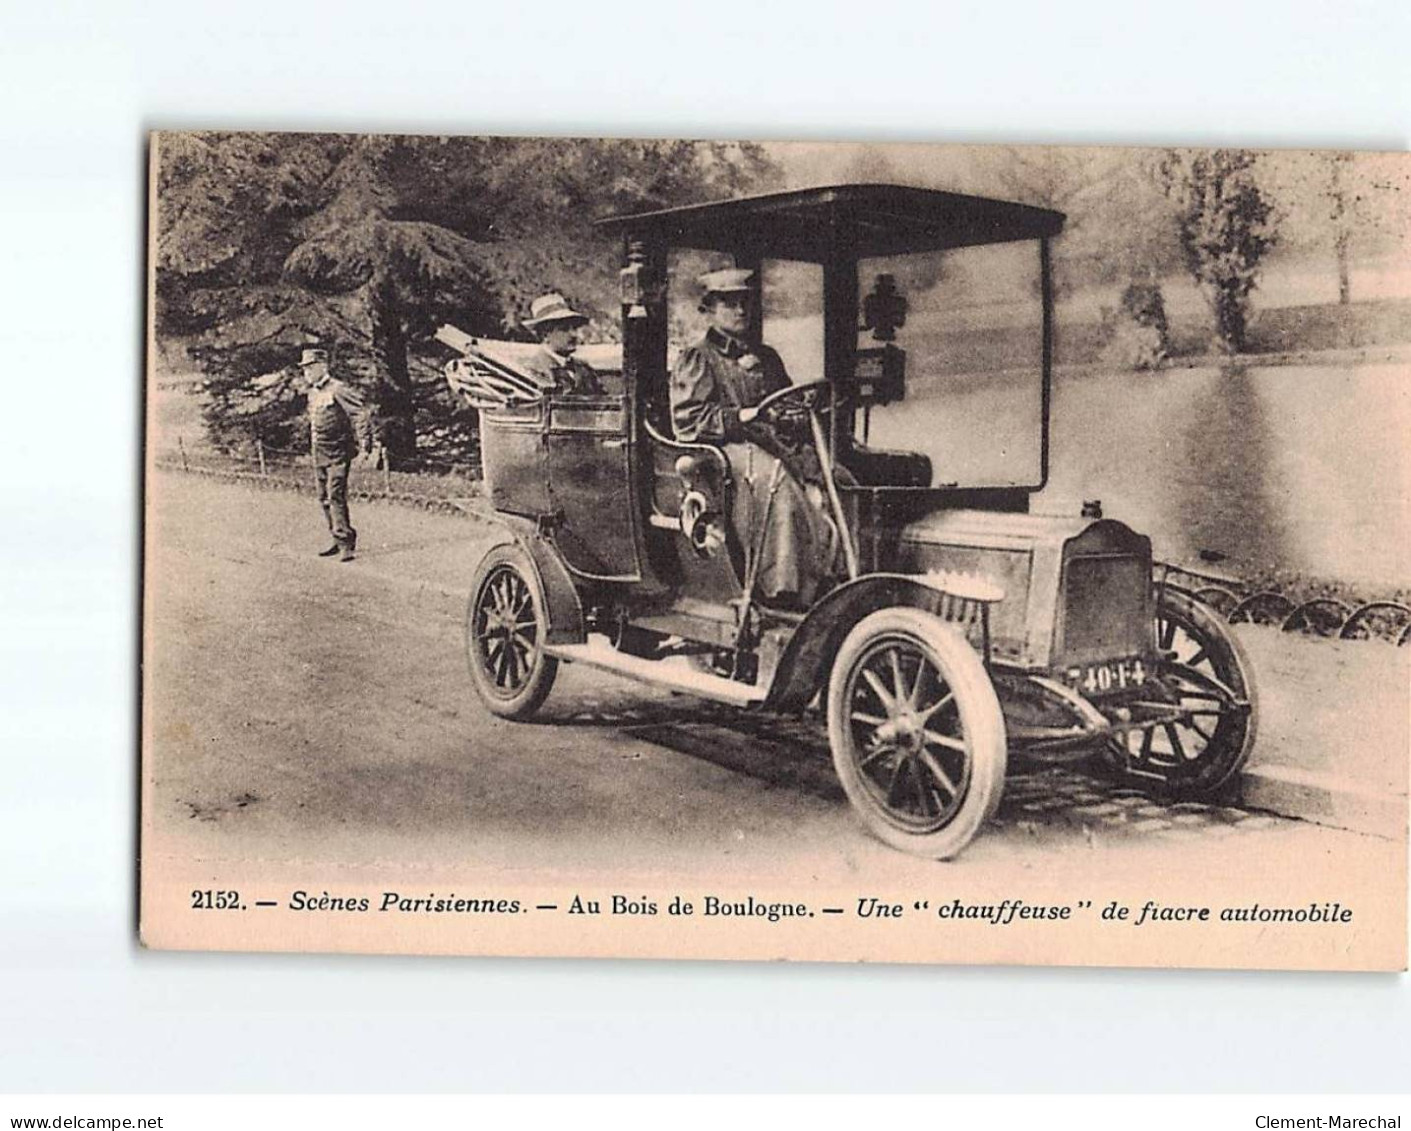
(848, 552)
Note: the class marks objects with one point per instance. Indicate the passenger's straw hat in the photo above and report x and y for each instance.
(313, 357)
(552, 307)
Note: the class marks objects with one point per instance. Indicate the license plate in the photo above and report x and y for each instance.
(1113, 676)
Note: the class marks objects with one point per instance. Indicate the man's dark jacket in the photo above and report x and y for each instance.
(339, 422)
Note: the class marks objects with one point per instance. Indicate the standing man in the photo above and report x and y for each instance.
(556, 325)
(339, 427)
(772, 513)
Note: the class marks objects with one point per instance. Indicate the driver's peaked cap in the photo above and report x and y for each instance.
(730, 280)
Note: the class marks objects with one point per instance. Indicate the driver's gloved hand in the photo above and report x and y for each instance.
(741, 424)
(761, 435)
(733, 430)
(792, 423)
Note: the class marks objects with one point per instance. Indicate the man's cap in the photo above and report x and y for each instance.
(552, 307)
(730, 280)
(313, 357)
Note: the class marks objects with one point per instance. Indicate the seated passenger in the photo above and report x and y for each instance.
(556, 325)
(712, 381)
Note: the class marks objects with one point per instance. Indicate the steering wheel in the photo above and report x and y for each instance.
(809, 394)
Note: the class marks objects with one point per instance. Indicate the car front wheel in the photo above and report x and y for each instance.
(916, 732)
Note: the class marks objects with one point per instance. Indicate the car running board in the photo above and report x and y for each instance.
(669, 673)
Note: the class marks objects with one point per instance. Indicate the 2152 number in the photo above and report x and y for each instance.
(209, 900)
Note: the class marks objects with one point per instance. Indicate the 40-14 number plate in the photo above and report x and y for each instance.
(1113, 676)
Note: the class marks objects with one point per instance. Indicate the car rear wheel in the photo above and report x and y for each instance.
(1205, 672)
(505, 630)
(916, 732)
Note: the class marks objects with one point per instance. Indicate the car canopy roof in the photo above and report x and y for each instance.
(842, 222)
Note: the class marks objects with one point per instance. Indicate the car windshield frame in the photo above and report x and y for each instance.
(838, 227)
(1019, 381)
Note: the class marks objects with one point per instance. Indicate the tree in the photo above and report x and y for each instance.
(1226, 226)
(1356, 206)
(266, 241)
(398, 273)
(1118, 228)
(226, 209)
(1340, 215)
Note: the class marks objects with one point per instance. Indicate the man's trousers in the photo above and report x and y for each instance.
(332, 482)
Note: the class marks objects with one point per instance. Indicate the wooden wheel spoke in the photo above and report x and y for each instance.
(869, 720)
(1173, 736)
(937, 772)
(915, 697)
(925, 716)
(524, 649)
(892, 785)
(875, 682)
(1190, 683)
(1200, 695)
(898, 691)
(521, 601)
(921, 792)
(1199, 658)
(881, 751)
(1187, 689)
(944, 740)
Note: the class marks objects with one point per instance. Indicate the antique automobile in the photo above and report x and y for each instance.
(963, 627)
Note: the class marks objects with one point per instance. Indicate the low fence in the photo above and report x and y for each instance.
(446, 488)
(1242, 603)
(457, 493)
(412, 473)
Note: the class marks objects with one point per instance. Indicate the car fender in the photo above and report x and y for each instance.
(562, 608)
(804, 666)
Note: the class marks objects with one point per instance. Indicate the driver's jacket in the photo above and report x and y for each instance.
(716, 374)
(796, 545)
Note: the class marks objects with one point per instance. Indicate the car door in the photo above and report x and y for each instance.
(590, 468)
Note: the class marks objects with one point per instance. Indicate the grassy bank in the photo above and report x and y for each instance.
(1285, 330)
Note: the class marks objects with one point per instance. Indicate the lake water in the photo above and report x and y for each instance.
(1301, 468)
(1298, 468)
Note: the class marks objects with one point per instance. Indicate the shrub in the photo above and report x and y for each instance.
(1138, 334)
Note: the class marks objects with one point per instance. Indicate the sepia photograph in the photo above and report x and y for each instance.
(826, 551)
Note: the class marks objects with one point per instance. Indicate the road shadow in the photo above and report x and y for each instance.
(786, 752)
